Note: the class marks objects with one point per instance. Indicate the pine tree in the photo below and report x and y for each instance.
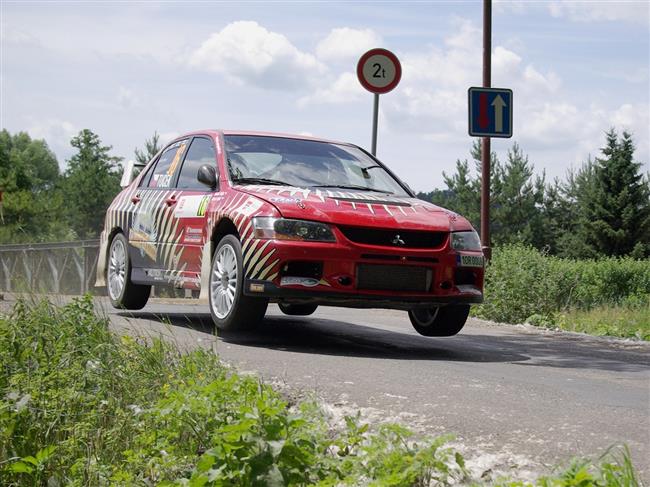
(616, 210)
(151, 148)
(518, 198)
(91, 182)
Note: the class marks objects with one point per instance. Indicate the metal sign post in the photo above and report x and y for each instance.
(490, 115)
(375, 121)
(485, 143)
(379, 71)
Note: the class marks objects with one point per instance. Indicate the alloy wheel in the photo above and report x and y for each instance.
(223, 282)
(116, 269)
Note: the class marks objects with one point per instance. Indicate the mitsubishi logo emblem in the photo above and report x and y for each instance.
(398, 240)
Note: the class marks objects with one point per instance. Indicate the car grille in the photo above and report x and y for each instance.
(376, 277)
(407, 239)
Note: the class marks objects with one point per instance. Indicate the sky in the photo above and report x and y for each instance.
(127, 69)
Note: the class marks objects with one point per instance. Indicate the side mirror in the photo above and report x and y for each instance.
(207, 175)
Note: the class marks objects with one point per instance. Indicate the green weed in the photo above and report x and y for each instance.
(606, 296)
(81, 407)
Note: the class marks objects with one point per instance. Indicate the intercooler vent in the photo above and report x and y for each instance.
(377, 277)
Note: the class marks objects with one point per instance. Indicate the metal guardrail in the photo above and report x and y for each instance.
(60, 267)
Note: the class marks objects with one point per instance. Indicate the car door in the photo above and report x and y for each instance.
(154, 202)
(184, 228)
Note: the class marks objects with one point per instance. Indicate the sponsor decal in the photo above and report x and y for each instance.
(257, 288)
(176, 160)
(250, 207)
(299, 281)
(156, 274)
(469, 260)
(161, 181)
(143, 234)
(194, 230)
(181, 280)
(193, 206)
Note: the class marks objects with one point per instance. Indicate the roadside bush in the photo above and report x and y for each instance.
(524, 283)
(81, 407)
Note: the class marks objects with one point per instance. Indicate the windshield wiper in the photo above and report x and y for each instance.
(260, 181)
(350, 186)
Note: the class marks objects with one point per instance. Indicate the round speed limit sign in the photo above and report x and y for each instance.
(379, 71)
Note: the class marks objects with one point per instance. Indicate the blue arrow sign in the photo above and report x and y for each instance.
(490, 112)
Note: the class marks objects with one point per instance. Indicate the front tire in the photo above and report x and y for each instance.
(443, 321)
(121, 290)
(229, 307)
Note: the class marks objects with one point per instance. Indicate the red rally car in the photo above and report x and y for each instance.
(251, 218)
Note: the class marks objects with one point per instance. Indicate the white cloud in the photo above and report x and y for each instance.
(17, 37)
(56, 132)
(345, 44)
(634, 11)
(579, 131)
(432, 98)
(166, 137)
(346, 88)
(246, 52)
(629, 11)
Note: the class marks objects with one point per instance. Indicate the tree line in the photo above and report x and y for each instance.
(599, 209)
(41, 203)
(602, 208)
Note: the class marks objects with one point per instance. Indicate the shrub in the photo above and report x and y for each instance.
(522, 282)
(81, 407)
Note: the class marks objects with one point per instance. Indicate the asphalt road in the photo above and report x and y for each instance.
(515, 397)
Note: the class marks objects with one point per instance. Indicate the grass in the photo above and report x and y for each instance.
(82, 407)
(608, 296)
(619, 321)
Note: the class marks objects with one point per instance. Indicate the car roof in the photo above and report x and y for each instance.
(216, 132)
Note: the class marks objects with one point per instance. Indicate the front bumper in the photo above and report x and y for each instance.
(358, 300)
(448, 281)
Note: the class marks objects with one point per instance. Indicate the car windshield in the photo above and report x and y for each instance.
(256, 159)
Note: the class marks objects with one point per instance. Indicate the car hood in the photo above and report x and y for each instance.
(358, 208)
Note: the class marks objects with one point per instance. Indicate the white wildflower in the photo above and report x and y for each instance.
(22, 403)
(135, 408)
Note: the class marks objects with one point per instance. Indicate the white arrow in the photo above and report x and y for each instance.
(498, 105)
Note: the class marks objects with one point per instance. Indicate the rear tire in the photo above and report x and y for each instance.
(297, 309)
(121, 290)
(443, 321)
(229, 307)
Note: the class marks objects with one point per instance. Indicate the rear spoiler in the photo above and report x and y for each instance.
(131, 171)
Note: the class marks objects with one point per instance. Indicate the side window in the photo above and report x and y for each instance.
(147, 175)
(201, 152)
(163, 174)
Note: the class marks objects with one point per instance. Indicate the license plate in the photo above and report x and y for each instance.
(470, 260)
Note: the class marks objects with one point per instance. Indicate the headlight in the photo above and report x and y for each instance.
(284, 229)
(465, 241)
